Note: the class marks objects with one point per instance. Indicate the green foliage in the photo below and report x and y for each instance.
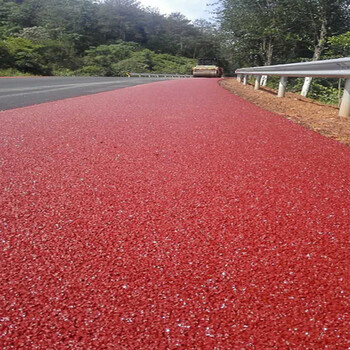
(259, 32)
(323, 90)
(129, 65)
(339, 45)
(42, 57)
(58, 58)
(120, 58)
(94, 37)
(26, 57)
(105, 55)
(5, 56)
(11, 72)
(255, 28)
(59, 55)
(324, 94)
(63, 72)
(35, 34)
(91, 71)
(172, 64)
(8, 12)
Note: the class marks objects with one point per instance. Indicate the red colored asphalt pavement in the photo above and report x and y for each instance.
(173, 215)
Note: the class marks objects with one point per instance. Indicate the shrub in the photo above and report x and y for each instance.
(130, 65)
(105, 55)
(26, 57)
(11, 72)
(5, 56)
(91, 71)
(35, 34)
(323, 90)
(63, 72)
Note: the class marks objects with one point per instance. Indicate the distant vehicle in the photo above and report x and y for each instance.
(207, 68)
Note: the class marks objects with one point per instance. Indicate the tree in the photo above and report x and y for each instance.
(339, 45)
(262, 32)
(66, 33)
(322, 17)
(26, 57)
(104, 56)
(9, 11)
(255, 25)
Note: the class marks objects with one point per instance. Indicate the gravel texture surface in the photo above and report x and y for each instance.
(309, 113)
(173, 215)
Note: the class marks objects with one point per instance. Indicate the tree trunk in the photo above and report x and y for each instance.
(269, 53)
(317, 54)
(194, 52)
(268, 48)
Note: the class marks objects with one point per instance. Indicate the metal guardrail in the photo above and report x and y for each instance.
(155, 75)
(335, 68)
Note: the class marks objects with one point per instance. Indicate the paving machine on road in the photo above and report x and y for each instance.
(207, 68)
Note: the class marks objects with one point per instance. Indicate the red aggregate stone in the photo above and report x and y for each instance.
(172, 215)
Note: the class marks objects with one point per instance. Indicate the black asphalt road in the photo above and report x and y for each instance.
(20, 92)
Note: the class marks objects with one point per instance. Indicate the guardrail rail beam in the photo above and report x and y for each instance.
(334, 68)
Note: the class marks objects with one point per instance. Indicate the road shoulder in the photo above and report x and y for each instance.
(304, 111)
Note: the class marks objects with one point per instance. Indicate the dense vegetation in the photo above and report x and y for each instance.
(112, 37)
(264, 32)
(91, 37)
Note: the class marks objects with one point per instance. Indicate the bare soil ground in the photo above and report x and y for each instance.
(307, 112)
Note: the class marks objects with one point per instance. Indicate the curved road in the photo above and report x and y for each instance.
(173, 215)
(20, 92)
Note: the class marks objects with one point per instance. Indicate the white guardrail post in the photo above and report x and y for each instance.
(263, 81)
(334, 68)
(257, 82)
(344, 110)
(282, 87)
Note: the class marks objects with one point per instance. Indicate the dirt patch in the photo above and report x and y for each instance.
(309, 113)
